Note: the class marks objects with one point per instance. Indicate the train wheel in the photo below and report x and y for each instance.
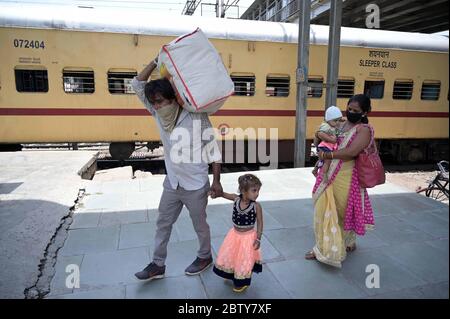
(121, 150)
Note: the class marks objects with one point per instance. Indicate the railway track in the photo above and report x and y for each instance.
(153, 162)
(156, 165)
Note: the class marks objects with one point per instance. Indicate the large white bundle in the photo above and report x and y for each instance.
(197, 73)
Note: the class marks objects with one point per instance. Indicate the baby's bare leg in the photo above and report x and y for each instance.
(316, 169)
(325, 168)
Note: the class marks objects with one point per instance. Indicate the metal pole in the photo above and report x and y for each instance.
(334, 42)
(220, 9)
(302, 82)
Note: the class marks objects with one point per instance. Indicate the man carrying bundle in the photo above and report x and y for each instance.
(186, 182)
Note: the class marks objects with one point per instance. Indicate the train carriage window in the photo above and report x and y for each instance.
(403, 90)
(244, 84)
(277, 85)
(315, 87)
(430, 90)
(345, 87)
(78, 80)
(31, 80)
(119, 82)
(374, 89)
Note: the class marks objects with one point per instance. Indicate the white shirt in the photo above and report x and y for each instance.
(186, 155)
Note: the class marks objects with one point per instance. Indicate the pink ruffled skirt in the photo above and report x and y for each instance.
(237, 258)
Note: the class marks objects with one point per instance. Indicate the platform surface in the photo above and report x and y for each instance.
(111, 237)
(37, 189)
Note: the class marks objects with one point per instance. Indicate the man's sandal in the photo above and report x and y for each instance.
(310, 255)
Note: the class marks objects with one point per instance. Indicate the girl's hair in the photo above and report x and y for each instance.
(364, 103)
(247, 181)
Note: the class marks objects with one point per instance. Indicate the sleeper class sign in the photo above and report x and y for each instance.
(378, 59)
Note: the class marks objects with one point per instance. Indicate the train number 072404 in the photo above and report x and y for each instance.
(29, 44)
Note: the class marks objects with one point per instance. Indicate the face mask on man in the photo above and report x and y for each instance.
(168, 115)
(354, 117)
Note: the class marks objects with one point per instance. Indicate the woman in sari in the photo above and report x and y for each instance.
(341, 207)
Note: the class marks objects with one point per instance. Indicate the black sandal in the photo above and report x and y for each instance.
(310, 255)
(351, 248)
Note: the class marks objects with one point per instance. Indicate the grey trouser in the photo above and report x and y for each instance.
(170, 205)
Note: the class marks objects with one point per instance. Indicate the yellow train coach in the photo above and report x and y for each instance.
(65, 76)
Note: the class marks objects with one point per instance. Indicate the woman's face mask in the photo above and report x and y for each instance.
(354, 112)
(354, 117)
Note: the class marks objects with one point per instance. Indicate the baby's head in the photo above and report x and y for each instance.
(249, 186)
(333, 115)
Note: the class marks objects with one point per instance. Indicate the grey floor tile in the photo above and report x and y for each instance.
(140, 234)
(292, 242)
(310, 279)
(218, 225)
(370, 240)
(179, 256)
(85, 220)
(184, 229)
(58, 285)
(93, 188)
(392, 274)
(121, 186)
(382, 207)
(441, 244)
(427, 262)
(112, 268)
(109, 292)
(431, 203)
(268, 251)
(292, 217)
(433, 291)
(269, 222)
(123, 216)
(216, 243)
(408, 202)
(152, 215)
(90, 240)
(395, 231)
(183, 287)
(426, 222)
(84, 210)
(263, 285)
(441, 213)
(153, 184)
(104, 201)
(140, 199)
(409, 243)
(410, 293)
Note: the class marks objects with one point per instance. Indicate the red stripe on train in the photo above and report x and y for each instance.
(223, 112)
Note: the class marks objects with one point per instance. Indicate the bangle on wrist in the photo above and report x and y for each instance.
(332, 155)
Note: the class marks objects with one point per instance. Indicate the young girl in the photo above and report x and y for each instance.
(240, 253)
(327, 135)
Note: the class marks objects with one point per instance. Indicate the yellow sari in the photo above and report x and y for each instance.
(330, 203)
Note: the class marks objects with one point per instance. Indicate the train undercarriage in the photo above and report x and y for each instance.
(399, 151)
